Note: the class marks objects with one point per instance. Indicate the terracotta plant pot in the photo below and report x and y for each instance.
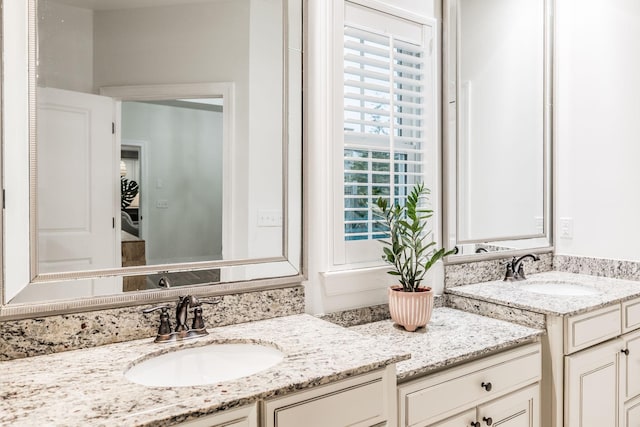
(411, 310)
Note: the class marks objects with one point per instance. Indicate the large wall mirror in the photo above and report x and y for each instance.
(149, 139)
(497, 125)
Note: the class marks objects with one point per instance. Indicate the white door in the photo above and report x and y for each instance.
(77, 183)
(592, 386)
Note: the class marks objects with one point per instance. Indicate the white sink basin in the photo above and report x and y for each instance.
(208, 364)
(560, 289)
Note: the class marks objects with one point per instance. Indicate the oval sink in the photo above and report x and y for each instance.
(208, 364)
(560, 289)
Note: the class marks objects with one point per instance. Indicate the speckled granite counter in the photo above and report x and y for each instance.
(514, 294)
(451, 337)
(87, 387)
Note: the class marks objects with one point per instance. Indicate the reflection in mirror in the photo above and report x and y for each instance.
(133, 174)
(499, 128)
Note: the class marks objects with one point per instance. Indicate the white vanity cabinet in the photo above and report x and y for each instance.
(362, 401)
(602, 367)
(499, 390)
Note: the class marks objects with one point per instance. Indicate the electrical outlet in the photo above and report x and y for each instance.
(566, 228)
(269, 218)
(162, 204)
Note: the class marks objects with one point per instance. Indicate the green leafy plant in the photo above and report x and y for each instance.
(410, 247)
(128, 192)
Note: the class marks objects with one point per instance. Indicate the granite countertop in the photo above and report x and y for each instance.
(513, 294)
(451, 337)
(88, 387)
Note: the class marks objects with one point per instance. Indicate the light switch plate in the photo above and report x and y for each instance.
(566, 228)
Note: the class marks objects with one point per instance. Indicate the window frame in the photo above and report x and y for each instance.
(350, 254)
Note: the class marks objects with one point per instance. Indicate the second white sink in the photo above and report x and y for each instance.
(204, 365)
(559, 289)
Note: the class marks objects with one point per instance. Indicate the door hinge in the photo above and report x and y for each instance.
(113, 128)
(4, 205)
(113, 222)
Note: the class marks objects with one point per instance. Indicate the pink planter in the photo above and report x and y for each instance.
(411, 310)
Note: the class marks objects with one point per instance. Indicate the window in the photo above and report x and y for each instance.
(387, 115)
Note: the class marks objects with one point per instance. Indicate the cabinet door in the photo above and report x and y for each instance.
(632, 414)
(630, 358)
(592, 386)
(465, 419)
(518, 409)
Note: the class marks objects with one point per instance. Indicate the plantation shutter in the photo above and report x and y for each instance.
(387, 85)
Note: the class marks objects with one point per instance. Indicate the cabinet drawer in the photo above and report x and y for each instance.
(461, 388)
(631, 315)
(362, 401)
(242, 417)
(585, 330)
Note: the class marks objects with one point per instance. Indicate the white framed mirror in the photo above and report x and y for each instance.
(150, 145)
(498, 129)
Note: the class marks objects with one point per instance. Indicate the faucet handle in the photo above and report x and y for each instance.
(198, 321)
(212, 302)
(164, 330)
(520, 273)
(509, 275)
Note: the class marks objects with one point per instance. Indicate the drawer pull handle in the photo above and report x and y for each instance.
(625, 351)
(475, 424)
(486, 386)
(488, 420)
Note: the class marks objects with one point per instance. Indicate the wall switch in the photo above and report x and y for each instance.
(162, 204)
(566, 228)
(269, 218)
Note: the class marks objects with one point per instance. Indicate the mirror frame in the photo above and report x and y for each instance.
(288, 267)
(451, 130)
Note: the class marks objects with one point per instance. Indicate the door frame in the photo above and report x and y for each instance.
(226, 90)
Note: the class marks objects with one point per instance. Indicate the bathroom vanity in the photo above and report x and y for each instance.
(324, 366)
(591, 353)
(329, 376)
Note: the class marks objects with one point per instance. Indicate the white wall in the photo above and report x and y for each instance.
(65, 35)
(184, 161)
(223, 41)
(598, 127)
(501, 101)
(265, 121)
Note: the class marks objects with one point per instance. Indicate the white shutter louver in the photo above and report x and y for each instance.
(384, 124)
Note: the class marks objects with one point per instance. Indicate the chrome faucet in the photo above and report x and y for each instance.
(182, 331)
(515, 268)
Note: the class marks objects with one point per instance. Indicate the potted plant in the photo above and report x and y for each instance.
(410, 249)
